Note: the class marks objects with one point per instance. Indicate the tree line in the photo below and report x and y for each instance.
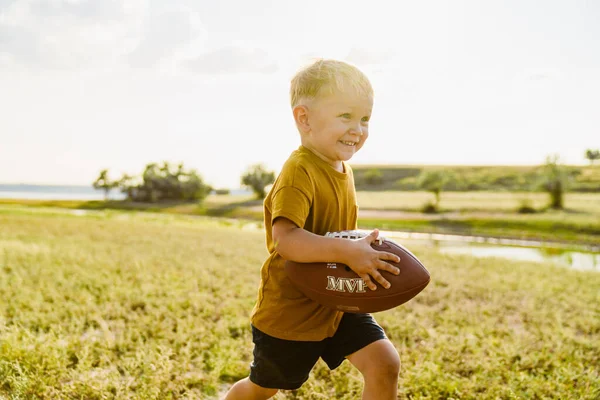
(168, 183)
(165, 182)
(553, 179)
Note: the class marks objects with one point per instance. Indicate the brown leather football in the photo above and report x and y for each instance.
(336, 286)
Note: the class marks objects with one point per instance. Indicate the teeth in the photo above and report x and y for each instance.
(349, 143)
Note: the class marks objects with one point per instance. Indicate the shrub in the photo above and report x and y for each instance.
(429, 208)
(257, 178)
(163, 183)
(434, 182)
(554, 180)
(373, 176)
(526, 207)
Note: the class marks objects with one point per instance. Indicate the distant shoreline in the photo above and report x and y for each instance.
(63, 192)
(54, 192)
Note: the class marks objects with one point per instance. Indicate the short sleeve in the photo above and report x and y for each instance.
(294, 191)
(291, 203)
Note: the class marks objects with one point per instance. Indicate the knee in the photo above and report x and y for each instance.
(385, 368)
(391, 365)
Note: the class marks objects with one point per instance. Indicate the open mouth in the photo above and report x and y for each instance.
(348, 143)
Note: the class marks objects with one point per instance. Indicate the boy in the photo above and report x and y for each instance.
(314, 194)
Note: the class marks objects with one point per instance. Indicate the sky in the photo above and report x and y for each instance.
(88, 85)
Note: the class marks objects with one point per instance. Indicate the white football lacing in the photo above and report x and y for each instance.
(353, 234)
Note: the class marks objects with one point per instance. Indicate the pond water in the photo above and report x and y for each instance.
(563, 255)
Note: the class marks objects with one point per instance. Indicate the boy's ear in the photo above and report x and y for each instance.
(301, 118)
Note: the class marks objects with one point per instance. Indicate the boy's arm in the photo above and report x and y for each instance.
(297, 244)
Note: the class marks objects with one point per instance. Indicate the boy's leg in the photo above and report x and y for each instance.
(247, 390)
(361, 340)
(379, 364)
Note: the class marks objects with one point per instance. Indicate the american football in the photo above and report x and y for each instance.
(335, 285)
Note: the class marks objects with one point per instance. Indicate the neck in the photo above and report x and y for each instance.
(337, 165)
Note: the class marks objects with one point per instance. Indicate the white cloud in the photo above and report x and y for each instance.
(19, 43)
(91, 35)
(169, 33)
(4, 4)
(233, 59)
(455, 82)
(90, 9)
(65, 34)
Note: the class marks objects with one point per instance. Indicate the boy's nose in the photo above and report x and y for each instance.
(357, 130)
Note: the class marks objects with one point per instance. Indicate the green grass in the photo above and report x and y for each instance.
(213, 205)
(582, 178)
(486, 214)
(463, 213)
(130, 305)
(467, 213)
(507, 202)
(562, 229)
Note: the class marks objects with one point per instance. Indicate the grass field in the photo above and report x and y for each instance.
(486, 214)
(121, 305)
(582, 178)
(411, 201)
(470, 213)
(588, 203)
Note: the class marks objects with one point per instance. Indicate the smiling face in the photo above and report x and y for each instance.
(335, 126)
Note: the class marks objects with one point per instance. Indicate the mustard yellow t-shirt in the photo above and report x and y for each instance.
(313, 195)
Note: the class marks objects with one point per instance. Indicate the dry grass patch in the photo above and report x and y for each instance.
(156, 307)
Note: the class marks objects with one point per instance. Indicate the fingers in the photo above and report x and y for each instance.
(368, 281)
(382, 265)
(389, 257)
(368, 278)
(381, 280)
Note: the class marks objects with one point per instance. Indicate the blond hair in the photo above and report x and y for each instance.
(325, 77)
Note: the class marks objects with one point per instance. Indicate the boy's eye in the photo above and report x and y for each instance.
(365, 119)
(345, 115)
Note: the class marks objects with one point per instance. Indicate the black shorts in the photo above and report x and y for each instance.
(286, 364)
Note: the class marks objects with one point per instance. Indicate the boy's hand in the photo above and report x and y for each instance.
(366, 261)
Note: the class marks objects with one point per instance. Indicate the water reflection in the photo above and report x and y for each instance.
(505, 248)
